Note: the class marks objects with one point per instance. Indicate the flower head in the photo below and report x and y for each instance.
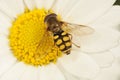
(24, 39)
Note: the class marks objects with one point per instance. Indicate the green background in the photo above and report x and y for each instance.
(117, 2)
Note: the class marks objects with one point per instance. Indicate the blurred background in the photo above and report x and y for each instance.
(117, 2)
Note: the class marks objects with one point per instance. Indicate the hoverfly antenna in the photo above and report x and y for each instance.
(49, 16)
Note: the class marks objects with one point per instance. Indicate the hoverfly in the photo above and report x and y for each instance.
(62, 32)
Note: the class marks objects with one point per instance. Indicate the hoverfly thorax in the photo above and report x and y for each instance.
(52, 22)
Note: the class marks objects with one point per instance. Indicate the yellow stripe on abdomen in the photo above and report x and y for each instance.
(59, 41)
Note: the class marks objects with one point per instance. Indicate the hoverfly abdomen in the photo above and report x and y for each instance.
(63, 41)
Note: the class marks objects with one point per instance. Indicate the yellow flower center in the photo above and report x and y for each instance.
(29, 40)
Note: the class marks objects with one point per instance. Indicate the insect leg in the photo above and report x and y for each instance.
(76, 45)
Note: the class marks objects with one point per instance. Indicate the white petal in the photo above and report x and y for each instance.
(50, 72)
(4, 45)
(79, 64)
(30, 4)
(44, 3)
(116, 51)
(81, 11)
(69, 76)
(72, 77)
(5, 23)
(111, 73)
(31, 73)
(6, 62)
(102, 39)
(12, 7)
(15, 73)
(110, 19)
(104, 59)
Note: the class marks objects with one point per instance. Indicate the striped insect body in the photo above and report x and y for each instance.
(63, 41)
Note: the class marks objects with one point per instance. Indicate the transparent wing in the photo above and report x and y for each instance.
(78, 30)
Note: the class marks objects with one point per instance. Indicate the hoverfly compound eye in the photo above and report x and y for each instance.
(49, 16)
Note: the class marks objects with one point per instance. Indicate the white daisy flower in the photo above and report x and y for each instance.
(21, 31)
